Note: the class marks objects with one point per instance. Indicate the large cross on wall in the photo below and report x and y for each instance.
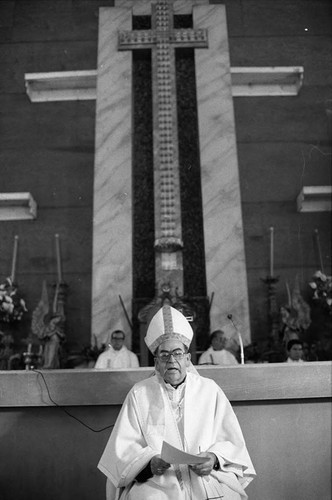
(162, 39)
(112, 227)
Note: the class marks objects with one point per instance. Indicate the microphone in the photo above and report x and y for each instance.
(230, 317)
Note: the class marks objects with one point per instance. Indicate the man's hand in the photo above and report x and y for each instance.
(205, 468)
(158, 465)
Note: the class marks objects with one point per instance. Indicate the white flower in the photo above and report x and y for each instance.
(12, 306)
(320, 275)
(8, 307)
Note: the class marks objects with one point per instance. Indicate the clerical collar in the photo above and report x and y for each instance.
(177, 385)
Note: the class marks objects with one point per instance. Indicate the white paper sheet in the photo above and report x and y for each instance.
(173, 455)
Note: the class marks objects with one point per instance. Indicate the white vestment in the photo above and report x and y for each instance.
(222, 357)
(207, 423)
(115, 360)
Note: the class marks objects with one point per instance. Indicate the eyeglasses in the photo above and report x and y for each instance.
(177, 355)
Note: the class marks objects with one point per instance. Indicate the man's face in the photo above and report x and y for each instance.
(172, 370)
(117, 341)
(219, 341)
(295, 353)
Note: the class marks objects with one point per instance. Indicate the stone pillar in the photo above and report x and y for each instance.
(112, 222)
(223, 234)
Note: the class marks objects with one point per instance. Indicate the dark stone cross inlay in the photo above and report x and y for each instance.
(163, 39)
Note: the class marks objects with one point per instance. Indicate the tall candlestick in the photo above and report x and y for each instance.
(12, 274)
(289, 297)
(55, 300)
(271, 250)
(58, 257)
(321, 268)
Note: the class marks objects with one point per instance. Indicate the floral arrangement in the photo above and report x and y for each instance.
(12, 306)
(322, 286)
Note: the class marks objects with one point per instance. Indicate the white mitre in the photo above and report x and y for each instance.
(168, 324)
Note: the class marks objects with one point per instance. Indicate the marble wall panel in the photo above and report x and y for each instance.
(223, 234)
(112, 224)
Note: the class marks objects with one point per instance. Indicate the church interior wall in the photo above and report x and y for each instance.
(283, 143)
(44, 153)
(48, 148)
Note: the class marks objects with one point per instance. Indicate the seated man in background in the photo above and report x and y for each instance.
(117, 355)
(216, 354)
(294, 351)
(312, 355)
(189, 412)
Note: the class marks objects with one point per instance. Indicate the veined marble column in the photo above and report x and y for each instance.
(223, 234)
(112, 222)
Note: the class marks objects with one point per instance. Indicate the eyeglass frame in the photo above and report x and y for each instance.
(171, 353)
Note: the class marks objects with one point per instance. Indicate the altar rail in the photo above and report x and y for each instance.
(256, 382)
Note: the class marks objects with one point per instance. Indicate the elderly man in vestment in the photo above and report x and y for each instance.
(191, 413)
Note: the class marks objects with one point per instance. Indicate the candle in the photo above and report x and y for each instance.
(58, 257)
(271, 250)
(319, 251)
(12, 274)
(288, 295)
(29, 348)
